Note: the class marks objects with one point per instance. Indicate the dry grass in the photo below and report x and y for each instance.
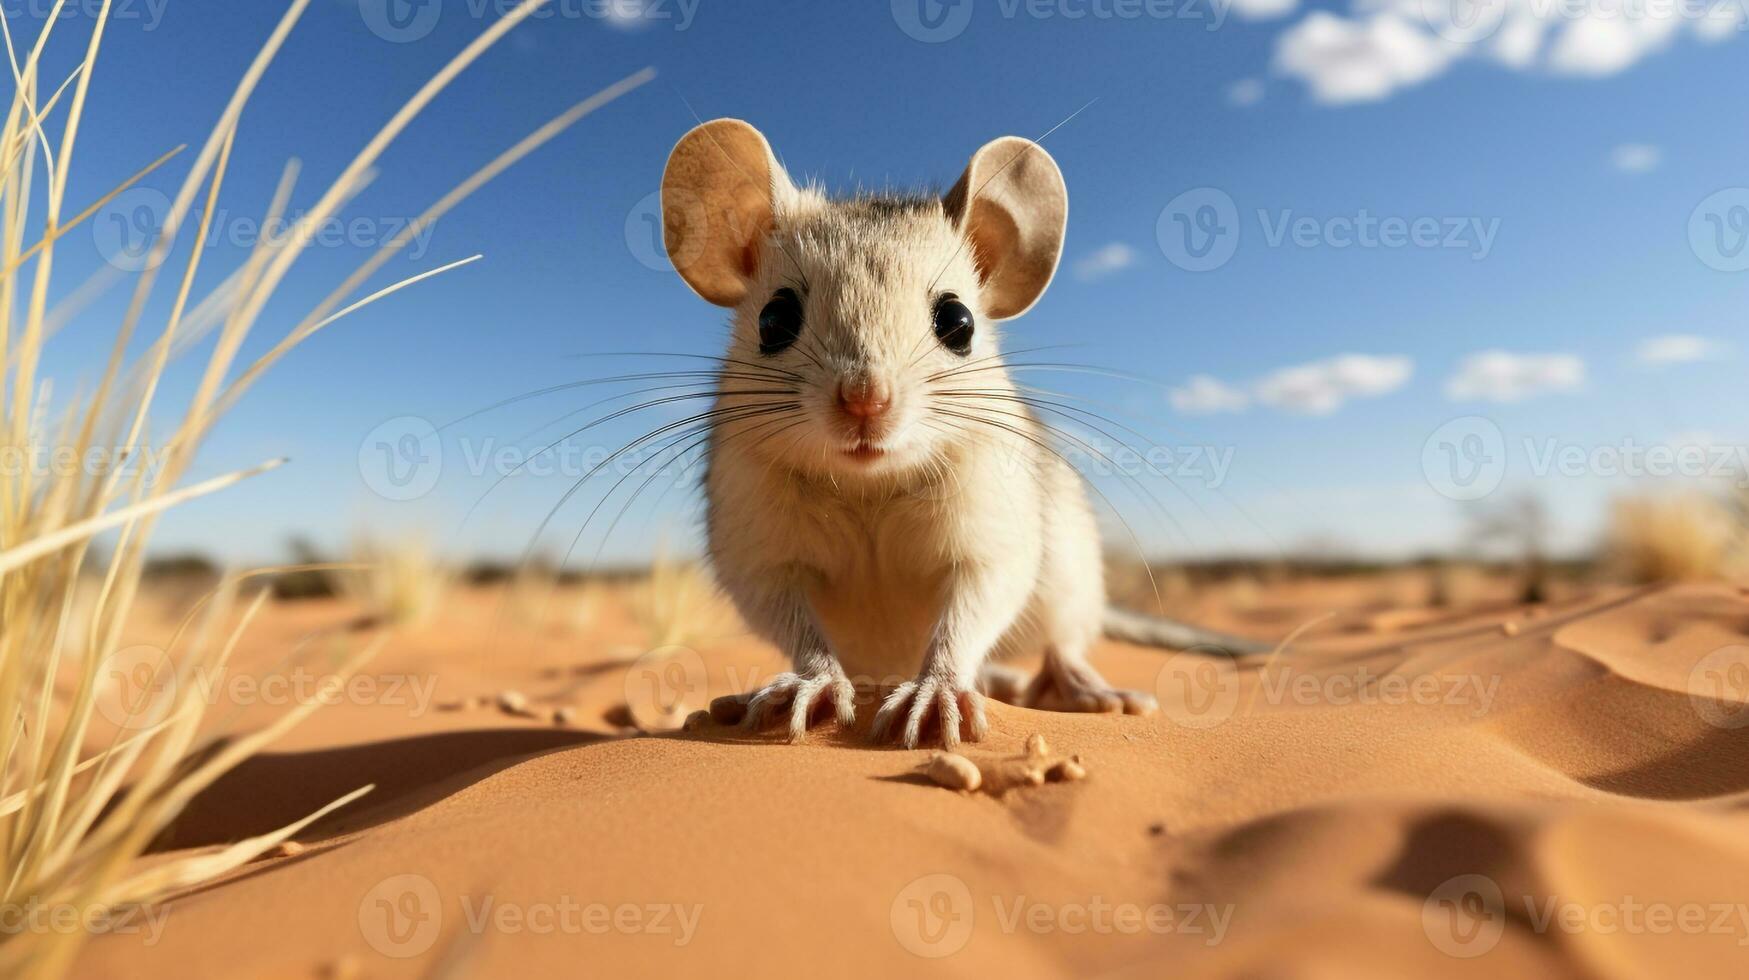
(677, 604)
(1675, 537)
(396, 582)
(69, 835)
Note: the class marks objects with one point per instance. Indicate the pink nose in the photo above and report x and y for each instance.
(863, 399)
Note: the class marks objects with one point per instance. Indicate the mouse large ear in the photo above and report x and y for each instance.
(1013, 208)
(721, 193)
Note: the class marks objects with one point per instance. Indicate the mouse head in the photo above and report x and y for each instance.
(861, 326)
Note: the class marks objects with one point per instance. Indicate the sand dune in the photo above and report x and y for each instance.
(1562, 796)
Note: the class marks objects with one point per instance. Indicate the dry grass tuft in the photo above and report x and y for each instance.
(74, 818)
(396, 582)
(1675, 537)
(677, 604)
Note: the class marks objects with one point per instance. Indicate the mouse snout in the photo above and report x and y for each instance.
(864, 398)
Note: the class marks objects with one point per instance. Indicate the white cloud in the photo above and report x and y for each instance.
(1679, 348)
(1204, 395)
(1636, 158)
(1108, 259)
(1344, 60)
(1503, 376)
(1597, 46)
(1245, 92)
(1387, 45)
(1263, 9)
(1321, 387)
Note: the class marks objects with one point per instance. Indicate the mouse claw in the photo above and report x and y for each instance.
(797, 698)
(1078, 687)
(954, 707)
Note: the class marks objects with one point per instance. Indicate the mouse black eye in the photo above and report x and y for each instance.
(780, 323)
(953, 325)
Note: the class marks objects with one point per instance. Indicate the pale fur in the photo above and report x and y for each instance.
(965, 542)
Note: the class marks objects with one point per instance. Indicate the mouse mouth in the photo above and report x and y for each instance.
(864, 451)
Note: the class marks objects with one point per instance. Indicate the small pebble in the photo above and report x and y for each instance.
(697, 721)
(955, 772)
(1065, 771)
(1511, 627)
(344, 968)
(1036, 747)
(289, 848)
(512, 702)
(1156, 829)
(564, 715)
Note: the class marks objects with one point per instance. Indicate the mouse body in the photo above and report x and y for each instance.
(882, 502)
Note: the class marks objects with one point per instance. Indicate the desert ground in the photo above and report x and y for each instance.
(1482, 788)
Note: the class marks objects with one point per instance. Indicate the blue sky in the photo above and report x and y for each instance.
(1531, 227)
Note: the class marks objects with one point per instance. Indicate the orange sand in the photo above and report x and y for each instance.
(1413, 796)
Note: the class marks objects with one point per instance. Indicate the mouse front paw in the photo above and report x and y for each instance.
(800, 699)
(903, 714)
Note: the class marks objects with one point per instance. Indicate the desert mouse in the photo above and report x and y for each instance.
(882, 504)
